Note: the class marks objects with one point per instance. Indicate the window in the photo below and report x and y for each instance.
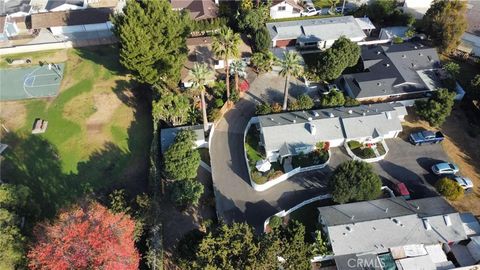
(282, 8)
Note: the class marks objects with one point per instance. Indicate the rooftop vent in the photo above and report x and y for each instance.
(379, 52)
(364, 113)
(387, 64)
(379, 83)
(415, 47)
(420, 54)
(294, 121)
(331, 114)
(448, 221)
(386, 210)
(350, 229)
(427, 225)
(404, 56)
(316, 114)
(310, 118)
(350, 111)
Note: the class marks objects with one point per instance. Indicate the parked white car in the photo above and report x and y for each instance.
(310, 11)
(445, 168)
(464, 182)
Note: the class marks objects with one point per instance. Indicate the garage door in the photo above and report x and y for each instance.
(285, 43)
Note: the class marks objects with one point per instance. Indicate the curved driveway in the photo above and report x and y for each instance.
(235, 198)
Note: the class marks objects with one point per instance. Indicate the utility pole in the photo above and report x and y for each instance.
(343, 7)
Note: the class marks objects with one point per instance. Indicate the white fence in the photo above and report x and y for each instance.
(36, 47)
(368, 160)
(374, 42)
(281, 178)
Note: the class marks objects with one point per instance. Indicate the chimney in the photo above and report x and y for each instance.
(331, 115)
(313, 129)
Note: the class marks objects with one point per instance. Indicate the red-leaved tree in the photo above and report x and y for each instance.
(85, 237)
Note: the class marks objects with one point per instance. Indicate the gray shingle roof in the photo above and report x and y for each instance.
(394, 69)
(321, 29)
(380, 224)
(334, 123)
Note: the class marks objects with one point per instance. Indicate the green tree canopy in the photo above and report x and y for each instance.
(436, 109)
(355, 181)
(152, 40)
(172, 108)
(475, 86)
(343, 53)
(334, 98)
(186, 192)
(181, 159)
(445, 22)
(262, 40)
(13, 200)
(263, 61)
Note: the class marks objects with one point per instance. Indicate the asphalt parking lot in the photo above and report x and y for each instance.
(411, 165)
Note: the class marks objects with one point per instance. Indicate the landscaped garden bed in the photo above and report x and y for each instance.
(318, 156)
(366, 150)
(256, 153)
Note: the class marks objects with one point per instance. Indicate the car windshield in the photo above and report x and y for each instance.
(451, 166)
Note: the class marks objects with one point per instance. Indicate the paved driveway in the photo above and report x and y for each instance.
(411, 164)
(235, 198)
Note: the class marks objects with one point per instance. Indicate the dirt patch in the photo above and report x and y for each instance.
(461, 148)
(13, 114)
(105, 105)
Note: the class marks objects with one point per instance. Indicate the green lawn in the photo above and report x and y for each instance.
(98, 133)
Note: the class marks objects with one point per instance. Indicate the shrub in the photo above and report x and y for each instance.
(219, 89)
(293, 105)
(214, 114)
(354, 144)
(351, 102)
(9, 60)
(276, 107)
(449, 188)
(275, 222)
(368, 153)
(397, 40)
(263, 108)
(262, 40)
(333, 99)
(258, 178)
(218, 102)
(305, 102)
(272, 174)
(320, 145)
(234, 96)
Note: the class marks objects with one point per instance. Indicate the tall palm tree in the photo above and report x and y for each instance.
(290, 67)
(200, 74)
(226, 45)
(238, 69)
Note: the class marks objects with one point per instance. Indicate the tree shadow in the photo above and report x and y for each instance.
(102, 55)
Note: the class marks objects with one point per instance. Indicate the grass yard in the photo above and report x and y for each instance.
(98, 136)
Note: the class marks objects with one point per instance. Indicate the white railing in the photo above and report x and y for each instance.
(368, 160)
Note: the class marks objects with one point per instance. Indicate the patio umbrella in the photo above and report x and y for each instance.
(263, 165)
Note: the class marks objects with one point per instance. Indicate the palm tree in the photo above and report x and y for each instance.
(226, 45)
(200, 74)
(238, 68)
(290, 66)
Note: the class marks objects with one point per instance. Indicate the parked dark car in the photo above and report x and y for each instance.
(426, 136)
(402, 190)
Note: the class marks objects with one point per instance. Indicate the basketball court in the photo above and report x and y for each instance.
(32, 82)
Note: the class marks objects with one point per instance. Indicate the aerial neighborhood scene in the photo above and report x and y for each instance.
(239, 134)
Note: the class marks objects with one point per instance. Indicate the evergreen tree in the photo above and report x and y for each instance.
(355, 181)
(437, 108)
(445, 22)
(296, 252)
(262, 40)
(186, 192)
(152, 40)
(333, 99)
(181, 160)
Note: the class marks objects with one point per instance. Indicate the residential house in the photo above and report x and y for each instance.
(285, 9)
(63, 5)
(292, 133)
(167, 136)
(198, 9)
(392, 32)
(15, 8)
(318, 33)
(200, 51)
(470, 42)
(417, 8)
(70, 24)
(394, 72)
(375, 227)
